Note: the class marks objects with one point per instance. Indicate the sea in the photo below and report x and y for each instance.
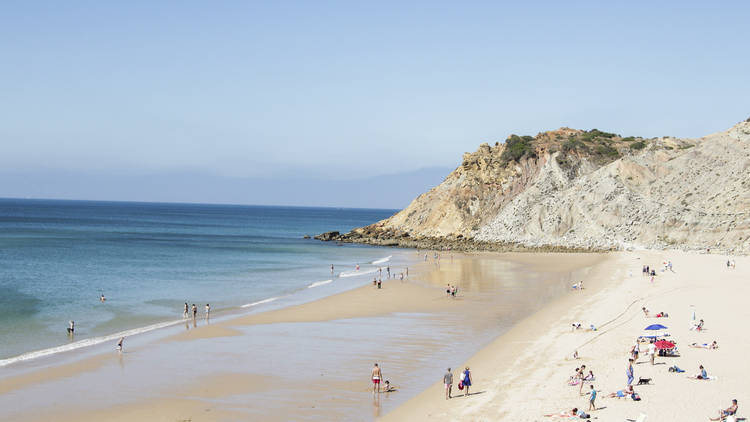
(57, 258)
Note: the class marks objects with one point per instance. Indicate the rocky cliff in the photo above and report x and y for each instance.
(569, 189)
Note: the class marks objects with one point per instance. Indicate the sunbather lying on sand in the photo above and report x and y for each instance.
(574, 413)
(723, 413)
(627, 392)
(711, 346)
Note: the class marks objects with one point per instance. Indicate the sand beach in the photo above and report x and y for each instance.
(304, 362)
(524, 374)
(511, 324)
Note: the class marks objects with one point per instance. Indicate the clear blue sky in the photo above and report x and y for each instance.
(337, 89)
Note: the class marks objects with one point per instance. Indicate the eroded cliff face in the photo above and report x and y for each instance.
(570, 189)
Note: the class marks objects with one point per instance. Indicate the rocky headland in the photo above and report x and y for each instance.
(575, 190)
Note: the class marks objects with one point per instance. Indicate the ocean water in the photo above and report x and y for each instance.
(58, 257)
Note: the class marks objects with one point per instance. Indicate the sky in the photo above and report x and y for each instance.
(341, 91)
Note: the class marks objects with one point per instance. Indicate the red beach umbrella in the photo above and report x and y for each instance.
(664, 344)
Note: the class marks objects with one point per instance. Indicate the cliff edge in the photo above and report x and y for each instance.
(570, 189)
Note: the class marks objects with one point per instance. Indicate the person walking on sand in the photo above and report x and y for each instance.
(208, 310)
(651, 351)
(629, 371)
(448, 381)
(466, 380)
(376, 376)
(195, 311)
(185, 311)
(592, 398)
(636, 350)
(119, 344)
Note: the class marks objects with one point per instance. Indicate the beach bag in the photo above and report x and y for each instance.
(461, 385)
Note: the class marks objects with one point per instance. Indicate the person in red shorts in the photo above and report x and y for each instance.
(376, 377)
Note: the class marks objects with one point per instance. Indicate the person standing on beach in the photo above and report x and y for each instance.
(388, 270)
(185, 311)
(208, 310)
(651, 351)
(448, 381)
(376, 376)
(331, 269)
(407, 272)
(466, 380)
(629, 371)
(636, 350)
(119, 344)
(195, 311)
(592, 393)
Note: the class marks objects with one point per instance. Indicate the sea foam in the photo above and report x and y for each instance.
(86, 343)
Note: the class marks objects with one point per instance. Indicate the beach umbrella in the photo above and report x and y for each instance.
(663, 344)
(656, 327)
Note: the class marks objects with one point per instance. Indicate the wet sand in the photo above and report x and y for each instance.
(304, 362)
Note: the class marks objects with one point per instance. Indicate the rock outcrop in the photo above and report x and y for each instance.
(584, 190)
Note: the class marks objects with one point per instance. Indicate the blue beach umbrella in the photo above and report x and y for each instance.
(656, 327)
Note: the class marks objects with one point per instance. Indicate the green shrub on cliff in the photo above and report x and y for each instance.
(517, 147)
(573, 144)
(596, 133)
(638, 145)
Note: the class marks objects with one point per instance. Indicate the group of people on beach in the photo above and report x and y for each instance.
(72, 327)
(664, 348)
(187, 310)
(464, 382)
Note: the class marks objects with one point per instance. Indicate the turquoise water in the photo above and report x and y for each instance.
(58, 257)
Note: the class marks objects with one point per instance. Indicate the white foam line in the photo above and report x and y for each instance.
(356, 273)
(382, 260)
(85, 343)
(319, 283)
(260, 302)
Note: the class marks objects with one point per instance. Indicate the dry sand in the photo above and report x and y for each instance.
(523, 374)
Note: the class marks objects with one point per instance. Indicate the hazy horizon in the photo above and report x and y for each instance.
(391, 191)
(338, 91)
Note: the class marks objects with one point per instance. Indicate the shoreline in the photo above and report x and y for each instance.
(415, 302)
(522, 374)
(217, 314)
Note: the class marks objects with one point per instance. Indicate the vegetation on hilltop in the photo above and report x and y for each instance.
(517, 147)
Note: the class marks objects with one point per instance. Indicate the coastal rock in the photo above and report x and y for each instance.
(583, 190)
(328, 236)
